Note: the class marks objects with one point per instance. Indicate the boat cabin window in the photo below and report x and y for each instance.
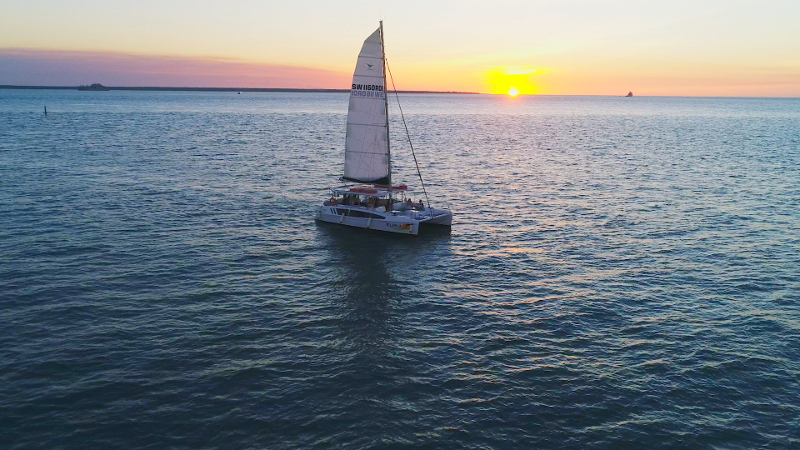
(357, 213)
(368, 215)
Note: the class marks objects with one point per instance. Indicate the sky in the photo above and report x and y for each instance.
(553, 47)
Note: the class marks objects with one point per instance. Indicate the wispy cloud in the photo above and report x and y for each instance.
(71, 68)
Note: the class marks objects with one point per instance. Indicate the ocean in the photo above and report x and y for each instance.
(620, 273)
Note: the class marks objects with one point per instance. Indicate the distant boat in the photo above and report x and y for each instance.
(630, 94)
(375, 203)
(93, 87)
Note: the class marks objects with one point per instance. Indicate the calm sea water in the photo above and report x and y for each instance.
(621, 273)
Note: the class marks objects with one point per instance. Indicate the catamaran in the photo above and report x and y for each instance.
(374, 202)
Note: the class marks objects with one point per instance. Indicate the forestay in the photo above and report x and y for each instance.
(366, 157)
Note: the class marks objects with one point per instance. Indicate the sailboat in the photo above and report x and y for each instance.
(374, 202)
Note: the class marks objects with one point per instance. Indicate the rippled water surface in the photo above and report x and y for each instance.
(621, 273)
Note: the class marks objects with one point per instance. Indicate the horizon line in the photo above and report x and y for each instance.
(219, 89)
(326, 90)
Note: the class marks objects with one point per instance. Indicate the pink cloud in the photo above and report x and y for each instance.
(72, 68)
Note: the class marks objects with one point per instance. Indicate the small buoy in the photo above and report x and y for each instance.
(45, 110)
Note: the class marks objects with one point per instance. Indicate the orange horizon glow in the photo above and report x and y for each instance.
(64, 68)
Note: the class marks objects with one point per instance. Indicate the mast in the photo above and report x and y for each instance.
(386, 105)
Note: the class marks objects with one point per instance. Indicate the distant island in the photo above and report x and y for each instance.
(93, 87)
(630, 94)
(100, 87)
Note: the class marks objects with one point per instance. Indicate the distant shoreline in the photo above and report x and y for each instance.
(212, 89)
(299, 90)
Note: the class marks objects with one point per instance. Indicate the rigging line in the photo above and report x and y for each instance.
(408, 136)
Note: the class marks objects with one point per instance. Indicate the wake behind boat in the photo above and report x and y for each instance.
(374, 203)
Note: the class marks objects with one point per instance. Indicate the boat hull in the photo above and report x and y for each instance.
(374, 220)
(439, 217)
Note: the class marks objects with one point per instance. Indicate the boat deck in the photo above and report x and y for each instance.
(371, 190)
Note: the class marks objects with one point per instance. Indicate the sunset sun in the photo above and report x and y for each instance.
(512, 80)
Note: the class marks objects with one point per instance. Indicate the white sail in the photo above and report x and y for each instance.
(366, 156)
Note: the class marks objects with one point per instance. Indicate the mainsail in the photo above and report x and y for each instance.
(366, 152)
